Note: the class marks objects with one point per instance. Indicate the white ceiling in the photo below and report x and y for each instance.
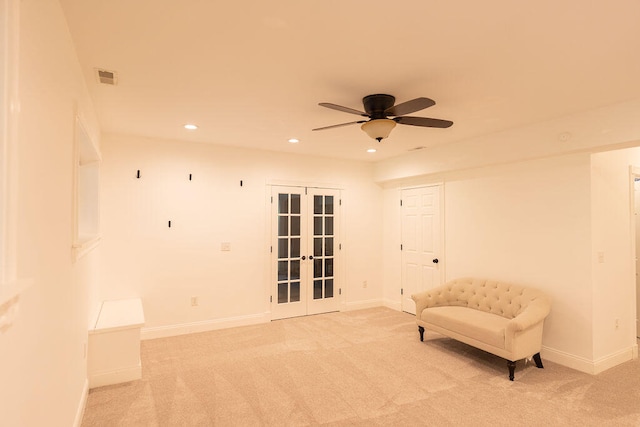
(251, 73)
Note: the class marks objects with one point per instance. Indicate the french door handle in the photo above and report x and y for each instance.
(310, 256)
(304, 257)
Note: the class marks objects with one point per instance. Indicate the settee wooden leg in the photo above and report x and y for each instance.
(512, 368)
(421, 330)
(536, 358)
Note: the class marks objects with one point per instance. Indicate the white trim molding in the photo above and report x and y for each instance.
(82, 404)
(361, 305)
(392, 304)
(203, 326)
(10, 286)
(588, 366)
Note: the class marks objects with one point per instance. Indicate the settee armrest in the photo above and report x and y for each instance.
(422, 300)
(535, 313)
(432, 298)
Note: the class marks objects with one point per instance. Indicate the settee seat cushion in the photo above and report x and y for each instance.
(480, 325)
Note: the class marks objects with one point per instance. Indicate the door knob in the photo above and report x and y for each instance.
(435, 260)
(310, 256)
(304, 257)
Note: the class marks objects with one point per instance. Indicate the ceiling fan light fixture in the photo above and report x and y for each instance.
(378, 129)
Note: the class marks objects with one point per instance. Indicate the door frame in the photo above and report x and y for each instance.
(339, 257)
(634, 172)
(442, 258)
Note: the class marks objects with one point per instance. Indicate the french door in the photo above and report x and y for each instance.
(305, 230)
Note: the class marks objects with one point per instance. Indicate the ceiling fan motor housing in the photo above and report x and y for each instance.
(375, 105)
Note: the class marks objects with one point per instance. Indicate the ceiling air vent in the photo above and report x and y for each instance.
(107, 77)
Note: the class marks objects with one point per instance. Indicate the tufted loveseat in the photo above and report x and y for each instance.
(500, 318)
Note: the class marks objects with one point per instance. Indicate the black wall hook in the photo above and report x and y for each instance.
(138, 174)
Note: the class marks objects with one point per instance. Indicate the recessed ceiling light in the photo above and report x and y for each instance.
(294, 140)
(190, 126)
(371, 150)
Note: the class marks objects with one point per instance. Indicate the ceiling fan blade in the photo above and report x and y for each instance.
(344, 109)
(423, 121)
(409, 107)
(340, 125)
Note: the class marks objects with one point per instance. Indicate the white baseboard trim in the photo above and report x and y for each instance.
(392, 304)
(361, 305)
(612, 360)
(82, 404)
(582, 364)
(115, 377)
(203, 326)
(565, 359)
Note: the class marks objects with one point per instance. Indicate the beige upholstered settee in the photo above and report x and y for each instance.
(500, 318)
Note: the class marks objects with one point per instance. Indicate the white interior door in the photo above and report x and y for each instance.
(324, 206)
(305, 248)
(422, 231)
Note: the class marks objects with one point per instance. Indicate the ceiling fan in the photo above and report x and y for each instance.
(379, 107)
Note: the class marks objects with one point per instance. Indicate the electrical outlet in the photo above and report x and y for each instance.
(194, 301)
(617, 323)
(364, 284)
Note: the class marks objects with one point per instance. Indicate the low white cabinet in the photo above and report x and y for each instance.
(114, 343)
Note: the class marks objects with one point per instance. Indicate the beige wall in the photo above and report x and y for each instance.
(143, 257)
(560, 222)
(42, 362)
(527, 223)
(612, 260)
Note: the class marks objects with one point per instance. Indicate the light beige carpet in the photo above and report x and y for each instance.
(358, 368)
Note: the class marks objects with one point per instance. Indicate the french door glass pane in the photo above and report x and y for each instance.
(283, 226)
(295, 225)
(295, 270)
(295, 291)
(317, 226)
(295, 204)
(328, 205)
(317, 205)
(328, 267)
(317, 289)
(283, 293)
(283, 248)
(317, 267)
(328, 246)
(328, 225)
(295, 248)
(283, 203)
(328, 288)
(317, 246)
(283, 270)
